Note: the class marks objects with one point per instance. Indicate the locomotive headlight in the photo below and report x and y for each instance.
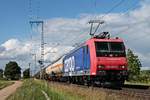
(100, 66)
(123, 67)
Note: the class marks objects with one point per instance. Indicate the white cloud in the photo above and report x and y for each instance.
(63, 30)
(11, 44)
(2, 49)
(15, 50)
(14, 47)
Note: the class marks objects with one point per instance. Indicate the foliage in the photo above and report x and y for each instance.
(12, 71)
(1, 73)
(134, 65)
(145, 76)
(26, 73)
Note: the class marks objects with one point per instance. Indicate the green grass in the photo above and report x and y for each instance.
(137, 83)
(4, 83)
(32, 90)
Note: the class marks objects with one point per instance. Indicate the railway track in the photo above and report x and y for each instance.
(138, 94)
(133, 91)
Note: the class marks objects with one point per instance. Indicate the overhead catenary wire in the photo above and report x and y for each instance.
(109, 11)
(145, 35)
(132, 25)
(133, 6)
(107, 14)
(124, 13)
(116, 5)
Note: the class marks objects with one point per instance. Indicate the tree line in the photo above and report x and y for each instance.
(13, 72)
(134, 69)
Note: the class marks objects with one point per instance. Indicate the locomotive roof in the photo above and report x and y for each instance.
(96, 39)
(107, 39)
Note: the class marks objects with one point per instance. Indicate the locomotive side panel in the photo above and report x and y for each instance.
(77, 63)
(92, 54)
(86, 60)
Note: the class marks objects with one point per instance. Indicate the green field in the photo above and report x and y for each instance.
(4, 83)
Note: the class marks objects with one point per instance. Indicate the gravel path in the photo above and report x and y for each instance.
(4, 93)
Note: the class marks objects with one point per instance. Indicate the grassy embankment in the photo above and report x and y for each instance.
(55, 91)
(4, 83)
(137, 83)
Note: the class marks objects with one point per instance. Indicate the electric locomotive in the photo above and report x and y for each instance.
(99, 60)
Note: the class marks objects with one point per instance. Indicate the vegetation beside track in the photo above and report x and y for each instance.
(137, 83)
(32, 90)
(84, 93)
(4, 83)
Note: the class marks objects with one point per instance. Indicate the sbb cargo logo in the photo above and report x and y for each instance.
(69, 64)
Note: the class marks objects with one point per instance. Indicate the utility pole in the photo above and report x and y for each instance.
(34, 63)
(30, 70)
(41, 61)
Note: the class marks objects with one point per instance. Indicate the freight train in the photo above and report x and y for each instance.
(99, 60)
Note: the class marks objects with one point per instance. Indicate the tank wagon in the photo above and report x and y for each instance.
(99, 60)
(54, 70)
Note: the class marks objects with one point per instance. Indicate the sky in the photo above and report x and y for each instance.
(66, 23)
(15, 14)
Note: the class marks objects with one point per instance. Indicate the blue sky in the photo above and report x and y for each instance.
(14, 15)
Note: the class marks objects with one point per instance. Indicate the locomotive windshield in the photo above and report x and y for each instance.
(115, 49)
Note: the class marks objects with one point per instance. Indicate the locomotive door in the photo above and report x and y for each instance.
(86, 59)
